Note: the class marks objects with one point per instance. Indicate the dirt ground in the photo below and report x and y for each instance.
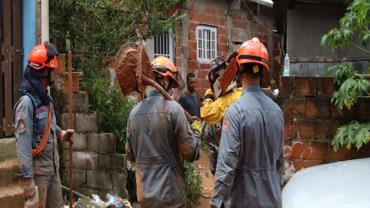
(207, 179)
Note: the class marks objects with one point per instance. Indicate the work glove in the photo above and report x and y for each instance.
(67, 135)
(30, 193)
(209, 94)
(196, 126)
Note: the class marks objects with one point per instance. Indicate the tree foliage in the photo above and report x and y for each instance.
(354, 134)
(98, 28)
(351, 85)
(354, 24)
(102, 26)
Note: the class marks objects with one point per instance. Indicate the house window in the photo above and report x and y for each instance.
(206, 43)
(163, 45)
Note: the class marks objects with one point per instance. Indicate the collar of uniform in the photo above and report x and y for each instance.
(154, 93)
(252, 88)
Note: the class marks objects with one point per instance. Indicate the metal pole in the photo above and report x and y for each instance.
(70, 126)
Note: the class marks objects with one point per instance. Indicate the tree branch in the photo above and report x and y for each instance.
(360, 48)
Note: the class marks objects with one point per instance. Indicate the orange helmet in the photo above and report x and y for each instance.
(165, 67)
(43, 55)
(253, 51)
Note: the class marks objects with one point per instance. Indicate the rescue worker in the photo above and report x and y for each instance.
(250, 160)
(37, 133)
(213, 110)
(159, 139)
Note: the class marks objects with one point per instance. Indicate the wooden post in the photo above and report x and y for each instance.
(70, 126)
(7, 68)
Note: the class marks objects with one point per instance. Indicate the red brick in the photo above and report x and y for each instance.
(326, 129)
(302, 164)
(325, 86)
(222, 30)
(294, 107)
(288, 152)
(239, 23)
(318, 107)
(315, 150)
(362, 109)
(192, 45)
(193, 65)
(192, 26)
(342, 154)
(285, 86)
(363, 152)
(334, 112)
(192, 53)
(348, 114)
(305, 129)
(205, 66)
(202, 83)
(297, 150)
(203, 73)
(178, 63)
(288, 128)
(305, 86)
(178, 51)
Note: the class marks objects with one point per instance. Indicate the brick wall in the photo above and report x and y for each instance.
(311, 122)
(233, 26)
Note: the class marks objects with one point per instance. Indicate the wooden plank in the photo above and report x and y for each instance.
(61, 64)
(17, 49)
(7, 67)
(1, 76)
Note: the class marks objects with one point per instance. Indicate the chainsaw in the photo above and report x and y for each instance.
(222, 74)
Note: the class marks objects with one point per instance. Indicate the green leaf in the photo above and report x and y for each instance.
(354, 134)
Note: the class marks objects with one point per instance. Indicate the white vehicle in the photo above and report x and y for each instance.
(344, 184)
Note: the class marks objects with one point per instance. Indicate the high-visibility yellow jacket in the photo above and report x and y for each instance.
(213, 112)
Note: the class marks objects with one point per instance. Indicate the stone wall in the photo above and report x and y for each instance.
(311, 122)
(97, 168)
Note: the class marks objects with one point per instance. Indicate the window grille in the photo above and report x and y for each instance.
(163, 45)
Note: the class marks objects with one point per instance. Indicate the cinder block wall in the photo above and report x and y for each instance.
(97, 168)
(311, 122)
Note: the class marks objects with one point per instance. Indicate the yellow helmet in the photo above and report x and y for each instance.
(165, 67)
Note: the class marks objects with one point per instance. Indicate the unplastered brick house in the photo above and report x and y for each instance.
(212, 28)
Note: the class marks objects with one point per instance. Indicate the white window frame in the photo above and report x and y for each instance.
(202, 51)
(163, 41)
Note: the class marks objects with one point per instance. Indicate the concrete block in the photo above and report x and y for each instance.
(119, 183)
(7, 149)
(80, 102)
(79, 142)
(64, 121)
(11, 197)
(101, 143)
(99, 179)
(112, 161)
(79, 177)
(86, 122)
(8, 172)
(82, 160)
